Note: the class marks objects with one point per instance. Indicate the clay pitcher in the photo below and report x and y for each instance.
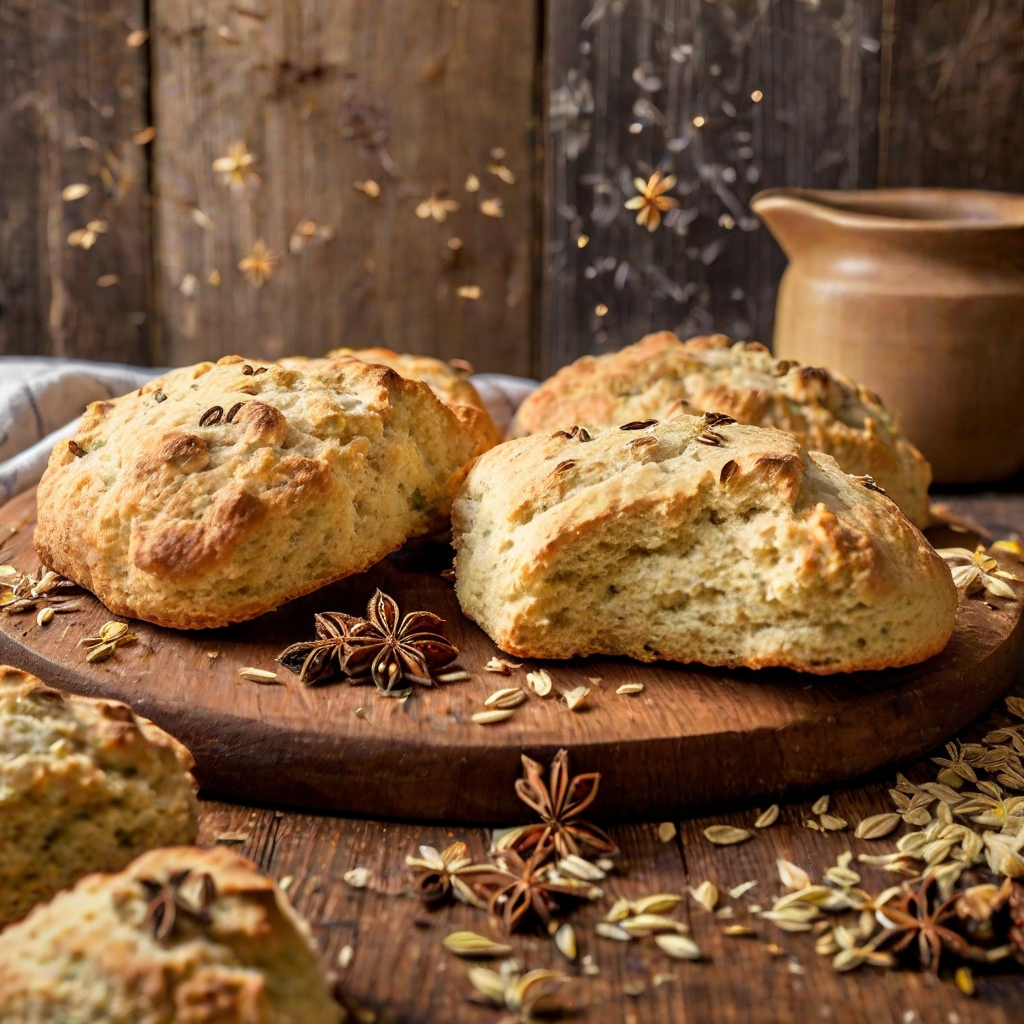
(918, 293)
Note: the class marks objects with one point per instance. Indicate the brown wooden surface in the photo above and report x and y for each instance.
(73, 94)
(412, 95)
(401, 973)
(765, 733)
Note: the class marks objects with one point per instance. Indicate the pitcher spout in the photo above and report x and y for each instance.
(795, 219)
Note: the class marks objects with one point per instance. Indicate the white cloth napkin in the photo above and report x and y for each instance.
(42, 399)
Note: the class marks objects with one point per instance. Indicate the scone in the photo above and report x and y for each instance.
(447, 380)
(85, 785)
(220, 491)
(696, 539)
(181, 936)
(660, 376)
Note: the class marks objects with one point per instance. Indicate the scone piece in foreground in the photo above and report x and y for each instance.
(85, 785)
(220, 491)
(660, 376)
(697, 539)
(181, 936)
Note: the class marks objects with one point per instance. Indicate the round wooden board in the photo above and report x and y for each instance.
(694, 736)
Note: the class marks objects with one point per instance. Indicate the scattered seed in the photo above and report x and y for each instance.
(510, 697)
(767, 817)
(231, 837)
(257, 675)
(358, 878)
(492, 717)
(627, 688)
(832, 822)
(666, 832)
(470, 944)
(101, 652)
(458, 675)
(706, 894)
(45, 615)
(736, 930)
(612, 931)
(345, 956)
(792, 875)
(565, 941)
(820, 806)
(642, 925)
(877, 826)
(659, 903)
(681, 947)
(539, 682)
(575, 697)
(501, 666)
(965, 981)
(742, 889)
(726, 835)
(286, 883)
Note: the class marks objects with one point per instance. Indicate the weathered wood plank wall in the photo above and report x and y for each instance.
(414, 95)
(734, 97)
(73, 100)
(411, 96)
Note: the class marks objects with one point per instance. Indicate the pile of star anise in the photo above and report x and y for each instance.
(536, 868)
(385, 647)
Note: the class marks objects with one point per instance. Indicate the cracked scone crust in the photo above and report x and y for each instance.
(85, 785)
(661, 375)
(447, 381)
(220, 491)
(89, 955)
(694, 541)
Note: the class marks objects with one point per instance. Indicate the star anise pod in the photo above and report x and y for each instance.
(389, 648)
(559, 803)
(443, 874)
(913, 919)
(314, 661)
(519, 890)
(166, 902)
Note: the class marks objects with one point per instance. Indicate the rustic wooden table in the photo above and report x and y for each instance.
(401, 972)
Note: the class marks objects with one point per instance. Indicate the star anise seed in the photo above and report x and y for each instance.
(166, 902)
(559, 804)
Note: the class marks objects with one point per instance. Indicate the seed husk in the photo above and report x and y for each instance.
(706, 894)
(666, 832)
(877, 826)
(575, 697)
(501, 666)
(470, 944)
(101, 652)
(539, 682)
(358, 878)
(681, 947)
(820, 806)
(726, 835)
(257, 675)
(792, 875)
(629, 688)
(607, 930)
(742, 889)
(767, 817)
(494, 716)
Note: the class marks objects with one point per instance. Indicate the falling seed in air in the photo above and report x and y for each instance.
(699, 122)
(757, 95)
(600, 309)
(74, 191)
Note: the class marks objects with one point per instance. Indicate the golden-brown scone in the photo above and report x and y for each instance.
(447, 380)
(697, 539)
(235, 954)
(661, 375)
(85, 785)
(220, 491)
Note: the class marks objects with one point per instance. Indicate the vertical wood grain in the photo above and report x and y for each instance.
(955, 77)
(73, 95)
(626, 83)
(411, 95)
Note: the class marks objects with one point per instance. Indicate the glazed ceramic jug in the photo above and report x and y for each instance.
(918, 293)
